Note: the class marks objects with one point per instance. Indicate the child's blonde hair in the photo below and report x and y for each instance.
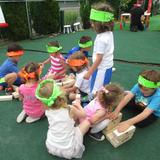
(78, 60)
(101, 27)
(110, 95)
(46, 91)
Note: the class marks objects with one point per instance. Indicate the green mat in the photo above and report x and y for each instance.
(27, 141)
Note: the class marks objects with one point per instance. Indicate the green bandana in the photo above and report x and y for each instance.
(56, 92)
(148, 84)
(52, 49)
(101, 16)
(85, 45)
(2, 80)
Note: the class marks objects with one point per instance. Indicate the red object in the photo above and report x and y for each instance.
(121, 26)
(3, 25)
(148, 11)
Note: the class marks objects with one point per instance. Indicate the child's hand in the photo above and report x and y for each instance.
(87, 76)
(113, 115)
(123, 126)
(41, 65)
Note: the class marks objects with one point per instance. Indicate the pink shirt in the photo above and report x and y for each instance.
(31, 105)
(92, 107)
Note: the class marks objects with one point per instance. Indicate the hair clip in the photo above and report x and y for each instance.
(105, 90)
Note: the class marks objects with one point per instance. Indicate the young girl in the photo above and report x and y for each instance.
(143, 100)
(63, 138)
(84, 45)
(98, 109)
(102, 22)
(79, 63)
(32, 107)
(57, 61)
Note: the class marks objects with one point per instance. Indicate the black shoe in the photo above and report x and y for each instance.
(97, 136)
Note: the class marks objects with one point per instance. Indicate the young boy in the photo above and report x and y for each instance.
(84, 45)
(9, 70)
(143, 100)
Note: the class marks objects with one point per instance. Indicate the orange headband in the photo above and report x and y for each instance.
(77, 62)
(15, 53)
(26, 76)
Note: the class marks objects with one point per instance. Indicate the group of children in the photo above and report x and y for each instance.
(69, 123)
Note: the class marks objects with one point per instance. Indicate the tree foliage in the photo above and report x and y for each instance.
(45, 16)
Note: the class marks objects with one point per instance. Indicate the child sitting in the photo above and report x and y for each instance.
(57, 61)
(32, 107)
(84, 45)
(9, 69)
(143, 100)
(98, 109)
(63, 138)
(79, 63)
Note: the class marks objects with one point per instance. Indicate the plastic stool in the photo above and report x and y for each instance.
(77, 26)
(67, 29)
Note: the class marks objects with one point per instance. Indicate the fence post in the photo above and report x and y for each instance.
(61, 20)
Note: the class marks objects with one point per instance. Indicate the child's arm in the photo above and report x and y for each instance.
(94, 66)
(45, 62)
(126, 124)
(76, 111)
(121, 105)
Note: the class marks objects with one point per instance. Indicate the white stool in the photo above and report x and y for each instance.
(77, 26)
(67, 29)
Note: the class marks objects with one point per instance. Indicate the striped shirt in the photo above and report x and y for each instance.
(56, 65)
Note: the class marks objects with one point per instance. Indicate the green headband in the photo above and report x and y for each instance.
(2, 80)
(55, 93)
(101, 16)
(85, 45)
(146, 83)
(52, 49)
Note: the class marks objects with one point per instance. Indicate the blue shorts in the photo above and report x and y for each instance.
(18, 82)
(100, 78)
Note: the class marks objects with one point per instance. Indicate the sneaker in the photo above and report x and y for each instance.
(97, 136)
(113, 69)
(31, 119)
(9, 90)
(87, 98)
(21, 116)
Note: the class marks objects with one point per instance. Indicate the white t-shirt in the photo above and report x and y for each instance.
(81, 83)
(63, 138)
(104, 44)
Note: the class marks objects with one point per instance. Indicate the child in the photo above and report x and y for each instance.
(57, 61)
(102, 22)
(63, 138)
(84, 45)
(98, 109)
(9, 69)
(32, 107)
(79, 63)
(143, 100)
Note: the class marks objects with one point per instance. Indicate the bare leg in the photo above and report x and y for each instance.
(10, 78)
(84, 126)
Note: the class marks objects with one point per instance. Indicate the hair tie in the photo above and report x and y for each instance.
(105, 90)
